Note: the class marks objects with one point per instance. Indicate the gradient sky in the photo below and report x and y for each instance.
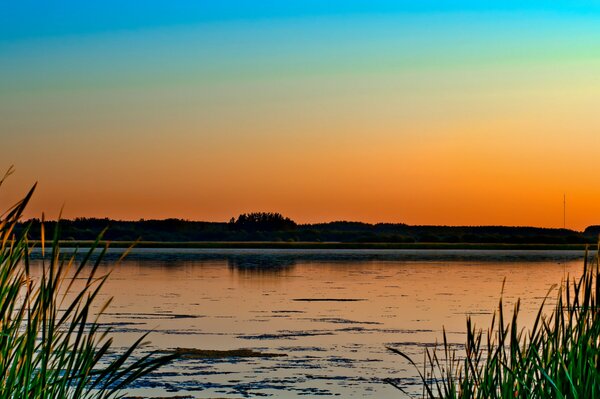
(424, 112)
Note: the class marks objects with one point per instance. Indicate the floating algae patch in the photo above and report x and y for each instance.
(287, 311)
(328, 299)
(287, 335)
(336, 320)
(152, 316)
(302, 349)
(191, 353)
(160, 397)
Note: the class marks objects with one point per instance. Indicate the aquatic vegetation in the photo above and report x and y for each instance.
(558, 356)
(51, 342)
(328, 299)
(194, 353)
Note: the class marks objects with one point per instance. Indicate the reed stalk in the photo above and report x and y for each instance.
(557, 357)
(52, 344)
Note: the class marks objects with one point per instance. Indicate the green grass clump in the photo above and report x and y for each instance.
(558, 357)
(51, 343)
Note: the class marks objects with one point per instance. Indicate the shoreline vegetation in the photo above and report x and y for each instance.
(273, 230)
(322, 245)
(52, 341)
(557, 357)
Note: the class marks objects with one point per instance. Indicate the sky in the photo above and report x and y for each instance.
(428, 112)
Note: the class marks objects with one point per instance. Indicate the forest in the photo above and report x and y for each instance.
(274, 227)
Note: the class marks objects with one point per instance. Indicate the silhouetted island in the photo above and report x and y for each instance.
(274, 227)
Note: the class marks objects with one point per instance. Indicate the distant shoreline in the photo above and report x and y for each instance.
(267, 230)
(322, 245)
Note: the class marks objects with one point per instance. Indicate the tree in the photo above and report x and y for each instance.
(264, 221)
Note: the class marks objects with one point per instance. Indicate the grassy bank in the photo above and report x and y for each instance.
(324, 245)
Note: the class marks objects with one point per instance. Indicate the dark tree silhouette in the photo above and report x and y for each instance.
(263, 226)
(264, 221)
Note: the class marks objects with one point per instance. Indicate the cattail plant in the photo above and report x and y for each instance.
(558, 357)
(51, 342)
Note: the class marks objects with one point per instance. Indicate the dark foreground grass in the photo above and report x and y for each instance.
(558, 357)
(51, 344)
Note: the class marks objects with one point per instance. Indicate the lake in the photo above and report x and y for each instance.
(330, 312)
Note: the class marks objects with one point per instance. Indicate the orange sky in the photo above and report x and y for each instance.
(466, 124)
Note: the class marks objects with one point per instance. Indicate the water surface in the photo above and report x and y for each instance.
(332, 312)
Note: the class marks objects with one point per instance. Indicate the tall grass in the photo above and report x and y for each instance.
(51, 342)
(558, 357)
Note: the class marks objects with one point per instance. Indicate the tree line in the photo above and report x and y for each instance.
(271, 226)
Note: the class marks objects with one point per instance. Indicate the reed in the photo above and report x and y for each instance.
(557, 357)
(51, 342)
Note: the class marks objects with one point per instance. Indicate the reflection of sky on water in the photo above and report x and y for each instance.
(234, 299)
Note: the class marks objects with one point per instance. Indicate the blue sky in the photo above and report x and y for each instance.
(28, 19)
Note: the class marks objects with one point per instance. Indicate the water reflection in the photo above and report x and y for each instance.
(341, 255)
(260, 264)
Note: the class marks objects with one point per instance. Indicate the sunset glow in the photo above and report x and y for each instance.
(459, 114)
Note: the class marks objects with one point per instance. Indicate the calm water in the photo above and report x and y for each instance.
(263, 300)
